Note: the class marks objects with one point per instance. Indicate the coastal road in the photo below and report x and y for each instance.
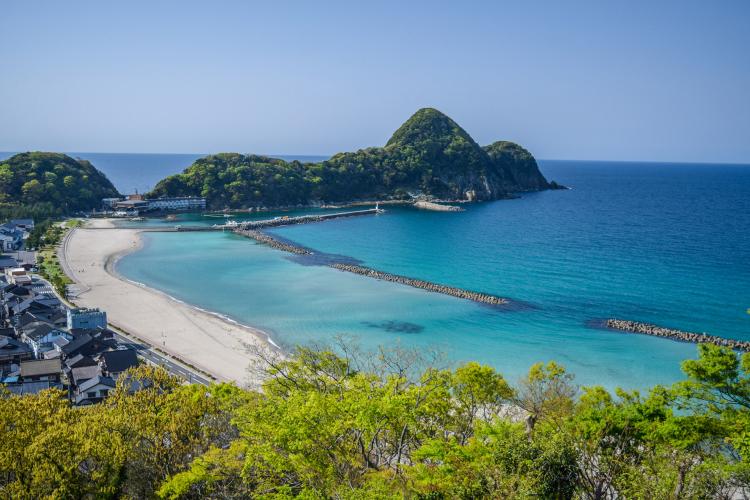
(155, 358)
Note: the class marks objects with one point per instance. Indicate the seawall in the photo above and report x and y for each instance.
(670, 333)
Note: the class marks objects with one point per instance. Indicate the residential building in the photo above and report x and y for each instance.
(113, 363)
(25, 224)
(41, 336)
(13, 352)
(82, 318)
(45, 370)
(93, 390)
(7, 261)
(11, 237)
(17, 276)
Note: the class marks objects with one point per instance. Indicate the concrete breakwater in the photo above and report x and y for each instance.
(272, 242)
(424, 285)
(669, 333)
(460, 293)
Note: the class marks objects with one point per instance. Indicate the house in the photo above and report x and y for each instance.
(38, 312)
(78, 361)
(13, 352)
(86, 318)
(11, 238)
(7, 261)
(25, 224)
(40, 336)
(45, 370)
(113, 363)
(82, 374)
(89, 342)
(17, 276)
(93, 390)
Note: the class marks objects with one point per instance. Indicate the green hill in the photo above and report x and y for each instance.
(428, 155)
(43, 184)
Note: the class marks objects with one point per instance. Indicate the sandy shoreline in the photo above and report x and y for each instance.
(209, 342)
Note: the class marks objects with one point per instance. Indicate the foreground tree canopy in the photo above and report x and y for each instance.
(345, 426)
(41, 185)
(429, 154)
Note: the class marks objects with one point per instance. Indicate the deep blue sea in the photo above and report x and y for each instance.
(655, 242)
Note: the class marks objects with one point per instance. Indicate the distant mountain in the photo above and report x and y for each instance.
(44, 184)
(429, 155)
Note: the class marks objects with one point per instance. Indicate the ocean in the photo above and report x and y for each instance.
(654, 242)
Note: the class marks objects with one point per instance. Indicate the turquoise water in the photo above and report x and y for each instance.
(663, 243)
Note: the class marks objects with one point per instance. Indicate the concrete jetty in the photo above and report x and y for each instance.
(670, 333)
(304, 219)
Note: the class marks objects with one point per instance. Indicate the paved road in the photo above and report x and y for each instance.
(165, 362)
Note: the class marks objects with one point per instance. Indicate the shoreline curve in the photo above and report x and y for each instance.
(211, 341)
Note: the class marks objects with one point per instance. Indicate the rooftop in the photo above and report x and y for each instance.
(40, 367)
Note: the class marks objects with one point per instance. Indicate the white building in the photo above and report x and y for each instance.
(17, 276)
(178, 203)
(86, 318)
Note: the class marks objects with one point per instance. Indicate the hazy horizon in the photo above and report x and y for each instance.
(585, 81)
(7, 154)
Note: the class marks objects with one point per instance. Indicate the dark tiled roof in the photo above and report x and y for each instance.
(6, 261)
(79, 360)
(119, 361)
(38, 329)
(77, 344)
(40, 367)
(84, 373)
(12, 346)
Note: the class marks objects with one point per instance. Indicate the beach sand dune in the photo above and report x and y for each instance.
(208, 342)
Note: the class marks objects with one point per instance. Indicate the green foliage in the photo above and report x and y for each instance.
(355, 426)
(428, 154)
(42, 185)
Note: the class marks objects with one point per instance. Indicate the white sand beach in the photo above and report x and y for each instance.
(208, 342)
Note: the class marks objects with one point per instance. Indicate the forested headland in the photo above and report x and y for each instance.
(392, 425)
(43, 185)
(429, 155)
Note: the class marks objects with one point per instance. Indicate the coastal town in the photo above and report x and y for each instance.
(46, 342)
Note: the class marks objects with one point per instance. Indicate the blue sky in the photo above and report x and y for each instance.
(612, 80)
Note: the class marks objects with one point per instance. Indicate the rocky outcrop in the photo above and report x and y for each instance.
(516, 167)
(670, 333)
(437, 207)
